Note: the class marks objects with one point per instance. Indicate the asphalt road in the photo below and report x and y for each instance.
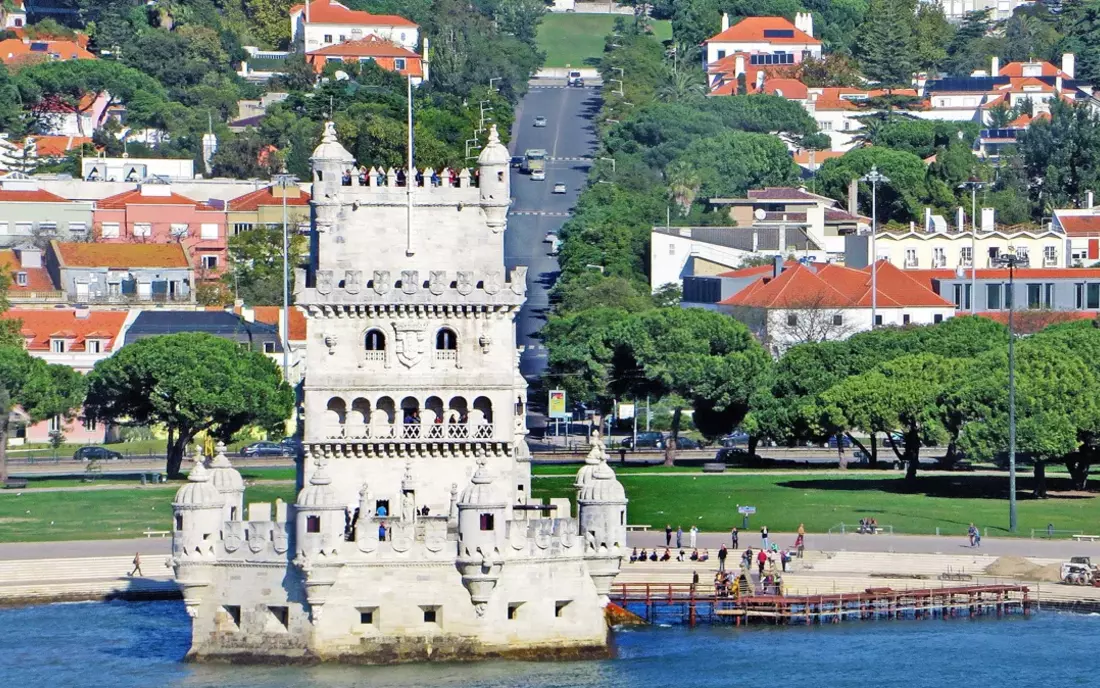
(570, 139)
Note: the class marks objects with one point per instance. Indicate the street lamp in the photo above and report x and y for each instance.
(1011, 260)
(874, 178)
(973, 184)
(283, 181)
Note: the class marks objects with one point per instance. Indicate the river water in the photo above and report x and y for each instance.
(123, 645)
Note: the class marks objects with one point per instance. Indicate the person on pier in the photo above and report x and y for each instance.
(667, 555)
(634, 555)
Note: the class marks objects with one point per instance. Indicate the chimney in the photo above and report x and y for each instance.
(783, 237)
(82, 312)
(960, 219)
(248, 314)
(777, 266)
(1069, 64)
(725, 21)
(989, 219)
(739, 65)
(853, 196)
(927, 219)
(995, 68)
(1058, 86)
(1088, 200)
(426, 60)
(804, 21)
(29, 257)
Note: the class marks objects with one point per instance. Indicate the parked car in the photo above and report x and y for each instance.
(92, 453)
(652, 440)
(540, 121)
(734, 438)
(559, 188)
(886, 459)
(549, 238)
(555, 246)
(736, 455)
(574, 79)
(267, 449)
(844, 441)
(688, 443)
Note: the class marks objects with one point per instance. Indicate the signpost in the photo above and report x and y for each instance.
(557, 407)
(745, 512)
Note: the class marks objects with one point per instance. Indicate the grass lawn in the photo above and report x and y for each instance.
(99, 515)
(821, 502)
(154, 447)
(577, 39)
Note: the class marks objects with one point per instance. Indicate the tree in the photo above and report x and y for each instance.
(887, 47)
(1029, 36)
(905, 395)
(902, 199)
(683, 184)
(811, 318)
(246, 156)
(733, 162)
(1062, 155)
(933, 35)
(682, 84)
(256, 264)
(38, 389)
(190, 383)
(830, 70)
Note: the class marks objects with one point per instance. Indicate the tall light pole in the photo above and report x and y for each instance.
(283, 181)
(973, 184)
(874, 178)
(1011, 261)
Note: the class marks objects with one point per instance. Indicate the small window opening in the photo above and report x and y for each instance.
(313, 524)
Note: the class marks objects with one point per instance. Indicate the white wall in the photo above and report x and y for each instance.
(761, 47)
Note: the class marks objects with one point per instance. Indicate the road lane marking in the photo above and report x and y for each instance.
(541, 213)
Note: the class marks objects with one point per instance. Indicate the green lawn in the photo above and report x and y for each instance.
(821, 502)
(100, 514)
(577, 40)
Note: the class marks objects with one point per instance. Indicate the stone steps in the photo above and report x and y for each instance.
(83, 568)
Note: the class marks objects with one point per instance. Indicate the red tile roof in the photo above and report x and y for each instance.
(273, 314)
(332, 12)
(39, 326)
(121, 255)
(1016, 69)
(802, 157)
(134, 197)
(833, 286)
(265, 197)
(56, 146)
(751, 30)
(756, 270)
(1080, 225)
(38, 279)
(784, 193)
(368, 46)
(16, 50)
(35, 196)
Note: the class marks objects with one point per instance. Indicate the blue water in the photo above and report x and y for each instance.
(140, 644)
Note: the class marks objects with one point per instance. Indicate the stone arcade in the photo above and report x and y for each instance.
(414, 535)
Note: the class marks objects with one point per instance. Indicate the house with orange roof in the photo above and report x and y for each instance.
(29, 213)
(322, 23)
(383, 52)
(993, 141)
(808, 303)
(59, 118)
(105, 273)
(765, 40)
(1081, 228)
(153, 213)
(264, 208)
(19, 52)
(13, 16)
(1032, 289)
(30, 280)
(76, 337)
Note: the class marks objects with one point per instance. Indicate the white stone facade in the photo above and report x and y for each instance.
(414, 536)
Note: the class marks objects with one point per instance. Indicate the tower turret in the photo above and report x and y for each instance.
(196, 522)
(229, 484)
(481, 513)
(319, 528)
(601, 510)
(493, 182)
(330, 162)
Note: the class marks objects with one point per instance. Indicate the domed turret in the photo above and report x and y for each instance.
(601, 509)
(197, 514)
(199, 492)
(481, 513)
(228, 482)
(493, 183)
(330, 150)
(596, 453)
(320, 521)
(330, 161)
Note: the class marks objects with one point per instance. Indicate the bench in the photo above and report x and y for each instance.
(158, 533)
(1086, 538)
(15, 483)
(637, 527)
(714, 468)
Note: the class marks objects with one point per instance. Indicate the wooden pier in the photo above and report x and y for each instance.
(684, 603)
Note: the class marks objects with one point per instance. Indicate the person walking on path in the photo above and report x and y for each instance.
(668, 535)
(800, 541)
(722, 558)
(679, 536)
(733, 536)
(692, 535)
(764, 536)
(137, 565)
(761, 560)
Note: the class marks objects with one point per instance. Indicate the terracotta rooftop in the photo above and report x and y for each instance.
(803, 157)
(121, 255)
(368, 46)
(1080, 225)
(56, 146)
(17, 49)
(38, 279)
(332, 12)
(273, 314)
(265, 197)
(39, 326)
(134, 197)
(1016, 69)
(833, 286)
(752, 30)
(35, 196)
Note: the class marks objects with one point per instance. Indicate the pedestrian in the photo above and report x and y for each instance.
(722, 558)
(971, 531)
(764, 536)
(692, 535)
(668, 535)
(137, 565)
(761, 560)
(784, 557)
(694, 579)
(977, 538)
(733, 536)
(679, 536)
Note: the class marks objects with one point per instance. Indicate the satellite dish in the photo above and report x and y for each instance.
(759, 214)
(341, 75)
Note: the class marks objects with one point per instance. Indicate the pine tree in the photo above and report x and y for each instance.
(888, 41)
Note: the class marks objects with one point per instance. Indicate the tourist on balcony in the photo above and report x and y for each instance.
(653, 555)
(680, 556)
(381, 530)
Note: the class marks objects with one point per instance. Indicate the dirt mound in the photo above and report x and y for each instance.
(1023, 569)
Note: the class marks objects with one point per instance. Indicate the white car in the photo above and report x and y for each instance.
(538, 176)
(559, 188)
(540, 121)
(555, 246)
(549, 238)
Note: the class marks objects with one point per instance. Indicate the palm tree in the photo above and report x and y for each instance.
(683, 184)
(681, 84)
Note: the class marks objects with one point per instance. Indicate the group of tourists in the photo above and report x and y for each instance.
(868, 526)
(692, 535)
(696, 555)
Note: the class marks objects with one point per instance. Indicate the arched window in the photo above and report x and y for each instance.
(375, 340)
(446, 339)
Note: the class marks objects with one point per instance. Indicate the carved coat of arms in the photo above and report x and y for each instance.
(352, 280)
(381, 282)
(465, 282)
(410, 281)
(409, 341)
(324, 281)
(437, 281)
(493, 282)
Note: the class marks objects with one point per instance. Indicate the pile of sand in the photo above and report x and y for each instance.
(1024, 569)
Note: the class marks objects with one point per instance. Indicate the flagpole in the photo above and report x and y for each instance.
(410, 177)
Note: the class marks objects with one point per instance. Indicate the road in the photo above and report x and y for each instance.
(570, 140)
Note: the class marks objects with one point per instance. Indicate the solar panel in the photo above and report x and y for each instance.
(778, 33)
(40, 47)
(967, 83)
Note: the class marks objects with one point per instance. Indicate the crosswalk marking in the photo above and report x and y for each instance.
(577, 159)
(543, 213)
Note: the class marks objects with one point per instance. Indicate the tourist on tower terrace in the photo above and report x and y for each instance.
(137, 565)
(692, 535)
(667, 555)
(761, 560)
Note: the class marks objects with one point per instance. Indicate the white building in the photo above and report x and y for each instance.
(103, 169)
(15, 17)
(415, 536)
(765, 40)
(956, 10)
(322, 23)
